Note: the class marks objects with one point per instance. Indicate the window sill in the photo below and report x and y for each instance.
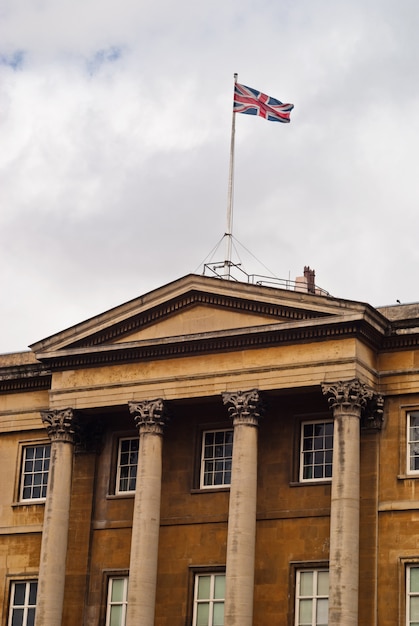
(311, 483)
(119, 496)
(28, 503)
(210, 490)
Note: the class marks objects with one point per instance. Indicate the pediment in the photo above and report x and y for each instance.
(196, 307)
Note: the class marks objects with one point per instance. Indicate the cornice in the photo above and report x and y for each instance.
(219, 341)
(186, 301)
(19, 378)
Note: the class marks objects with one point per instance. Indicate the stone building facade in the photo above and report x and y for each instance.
(214, 453)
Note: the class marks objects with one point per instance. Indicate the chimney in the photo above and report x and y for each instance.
(310, 275)
(306, 283)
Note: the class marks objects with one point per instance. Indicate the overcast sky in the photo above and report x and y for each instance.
(115, 121)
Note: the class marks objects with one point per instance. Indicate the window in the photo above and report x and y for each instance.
(23, 603)
(413, 442)
(209, 593)
(312, 598)
(316, 451)
(116, 609)
(217, 451)
(126, 477)
(35, 468)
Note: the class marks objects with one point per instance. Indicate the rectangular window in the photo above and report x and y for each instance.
(413, 442)
(126, 476)
(312, 598)
(35, 468)
(116, 609)
(216, 458)
(316, 451)
(209, 594)
(23, 603)
(412, 596)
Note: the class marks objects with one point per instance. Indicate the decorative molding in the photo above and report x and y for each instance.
(241, 339)
(355, 397)
(245, 406)
(18, 378)
(60, 425)
(150, 415)
(193, 298)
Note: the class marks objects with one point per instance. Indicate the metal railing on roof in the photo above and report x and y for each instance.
(227, 270)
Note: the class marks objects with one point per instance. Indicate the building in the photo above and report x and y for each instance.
(185, 442)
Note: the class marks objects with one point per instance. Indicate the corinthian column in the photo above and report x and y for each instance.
(150, 419)
(347, 400)
(61, 429)
(244, 407)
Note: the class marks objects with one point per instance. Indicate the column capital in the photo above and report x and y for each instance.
(150, 415)
(353, 396)
(245, 406)
(60, 424)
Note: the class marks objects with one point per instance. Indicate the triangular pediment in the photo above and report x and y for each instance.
(194, 308)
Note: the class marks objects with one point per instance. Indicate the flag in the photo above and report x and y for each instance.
(253, 102)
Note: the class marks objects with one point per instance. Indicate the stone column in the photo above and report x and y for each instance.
(244, 407)
(60, 426)
(347, 400)
(150, 419)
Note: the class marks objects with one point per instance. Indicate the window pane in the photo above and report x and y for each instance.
(323, 583)
(33, 588)
(218, 619)
(19, 596)
(306, 584)
(17, 619)
(219, 587)
(202, 614)
(117, 590)
(204, 583)
(322, 611)
(306, 607)
(116, 616)
(31, 617)
(414, 579)
(414, 608)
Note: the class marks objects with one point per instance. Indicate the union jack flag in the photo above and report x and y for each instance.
(253, 102)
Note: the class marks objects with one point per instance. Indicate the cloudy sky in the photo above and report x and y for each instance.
(115, 121)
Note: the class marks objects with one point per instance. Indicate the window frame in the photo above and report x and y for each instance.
(211, 600)
(111, 578)
(213, 430)
(411, 442)
(301, 452)
(23, 447)
(26, 606)
(117, 491)
(314, 597)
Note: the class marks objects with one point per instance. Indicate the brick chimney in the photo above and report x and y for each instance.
(310, 275)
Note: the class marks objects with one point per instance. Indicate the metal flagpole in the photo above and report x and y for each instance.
(229, 229)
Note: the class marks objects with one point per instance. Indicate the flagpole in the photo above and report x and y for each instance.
(229, 228)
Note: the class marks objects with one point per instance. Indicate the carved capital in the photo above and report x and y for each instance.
(353, 396)
(60, 425)
(245, 406)
(150, 415)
